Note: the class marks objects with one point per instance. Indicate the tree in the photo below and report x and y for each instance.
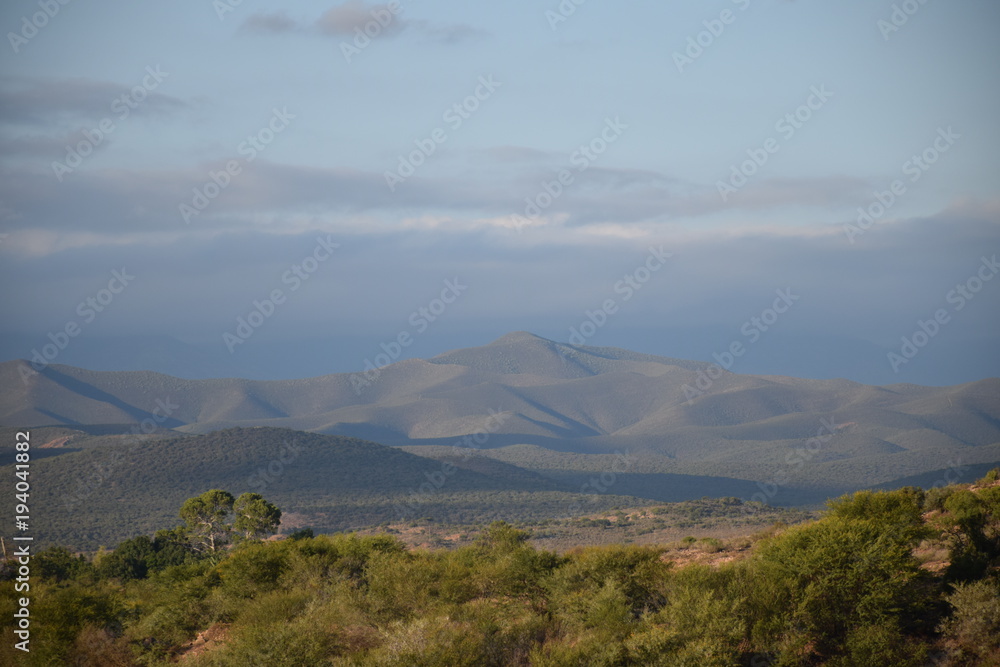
(129, 560)
(255, 517)
(214, 516)
(207, 518)
(171, 547)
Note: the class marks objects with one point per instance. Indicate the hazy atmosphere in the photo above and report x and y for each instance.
(666, 169)
(514, 334)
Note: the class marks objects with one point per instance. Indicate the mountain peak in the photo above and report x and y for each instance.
(519, 337)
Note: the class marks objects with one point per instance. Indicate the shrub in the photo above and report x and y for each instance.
(59, 564)
(699, 625)
(637, 572)
(990, 477)
(252, 569)
(710, 545)
(819, 581)
(428, 642)
(974, 626)
(279, 644)
(97, 646)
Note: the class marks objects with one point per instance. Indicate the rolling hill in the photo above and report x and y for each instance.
(108, 488)
(564, 411)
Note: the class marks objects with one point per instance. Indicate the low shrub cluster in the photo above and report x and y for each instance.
(848, 589)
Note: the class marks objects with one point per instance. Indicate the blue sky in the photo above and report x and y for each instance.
(330, 127)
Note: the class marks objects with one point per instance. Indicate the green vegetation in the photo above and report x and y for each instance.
(99, 495)
(214, 516)
(883, 578)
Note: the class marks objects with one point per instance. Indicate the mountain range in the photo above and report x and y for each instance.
(561, 416)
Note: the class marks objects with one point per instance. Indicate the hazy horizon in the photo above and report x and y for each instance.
(246, 189)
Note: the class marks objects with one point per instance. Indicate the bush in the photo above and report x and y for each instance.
(59, 564)
(882, 644)
(699, 625)
(935, 497)
(278, 644)
(301, 534)
(97, 646)
(637, 572)
(974, 626)
(842, 572)
(61, 614)
(710, 545)
(585, 650)
(429, 642)
(129, 560)
(252, 569)
(989, 478)
(403, 586)
(977, 546)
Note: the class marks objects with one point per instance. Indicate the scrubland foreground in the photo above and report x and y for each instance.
(906, 577)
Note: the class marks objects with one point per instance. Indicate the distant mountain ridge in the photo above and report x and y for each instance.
(669, 413)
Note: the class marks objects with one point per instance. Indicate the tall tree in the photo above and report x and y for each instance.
(255, 517)
(207, 518)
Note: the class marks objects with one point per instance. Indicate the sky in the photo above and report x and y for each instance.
(254, 189)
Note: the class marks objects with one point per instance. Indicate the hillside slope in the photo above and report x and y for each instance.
(122, 486)
(672, 415)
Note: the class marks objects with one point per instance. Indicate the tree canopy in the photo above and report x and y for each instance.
(214, 518)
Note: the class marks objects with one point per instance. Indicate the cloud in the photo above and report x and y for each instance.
(265, 193)
(344, 19)
(277, 23)
(830, 191)
(117, 200)
(42, 102)
(40, 145)
(515, 154)
(451, 34)
(198, 283)
(377, 21)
